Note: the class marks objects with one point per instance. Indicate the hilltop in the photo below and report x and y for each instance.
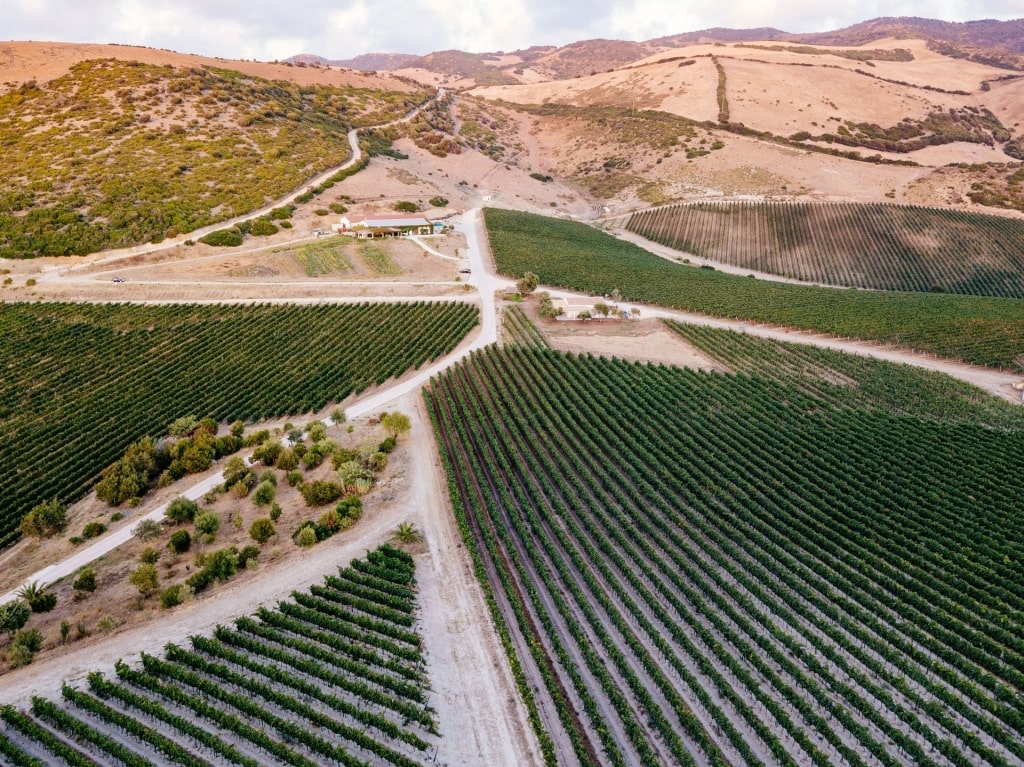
(915, 112)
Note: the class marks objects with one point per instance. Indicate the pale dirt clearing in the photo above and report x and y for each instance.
(477, 704)
(639, 340)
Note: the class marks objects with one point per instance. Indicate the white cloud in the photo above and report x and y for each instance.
(345, 28)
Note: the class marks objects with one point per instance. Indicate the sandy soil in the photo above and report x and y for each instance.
(641, 340)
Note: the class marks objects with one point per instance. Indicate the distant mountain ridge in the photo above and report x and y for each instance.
(585, 56)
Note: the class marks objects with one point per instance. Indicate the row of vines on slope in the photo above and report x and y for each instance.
(981, 330)
(881, 247)
(81, 382)
(731, 569)
(330, 683)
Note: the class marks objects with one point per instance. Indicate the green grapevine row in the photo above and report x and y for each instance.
(750, 568)
(247, 696)
(980, 330)
(81, 382)
(875, 246)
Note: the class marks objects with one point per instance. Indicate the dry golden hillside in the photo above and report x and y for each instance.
(777, 119)
(41, 61)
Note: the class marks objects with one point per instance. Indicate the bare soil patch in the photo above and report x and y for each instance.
(21, 61)
(643, 340)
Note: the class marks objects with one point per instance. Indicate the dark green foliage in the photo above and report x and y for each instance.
(282, 213)
(438, 202)
(223, 238)
(321, 492)
(85, 581)
(785, 543)
(980, 330)
(93, 529)
(264, 494)
(226, 445)
(180, 541)
(261, 227)
(405, 206)
(246, 555)
(181, 510)
(217, 565)
(172, 596)
(386, 446)
(268, 452)
(43, 601)
(207, 522)
(542, 177)
(107, 374)
(129, 477)
(14, 614)
(256, 438)
(45, 519)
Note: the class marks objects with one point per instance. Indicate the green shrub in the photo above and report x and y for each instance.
(261, 227)
(207, 523)
(43, 602)
(13, 615)
(405, 206)
(173, 595)
(305, 536)
(86, 581)
(223, 238)
(24, 647)
(262, 530)
(93, 529)
(180, 541)
(147, 529)
(248, 555)
(181, 510)
(145, 579)
(321, 492)
(45, 519)
(438, 202)
(281, 214)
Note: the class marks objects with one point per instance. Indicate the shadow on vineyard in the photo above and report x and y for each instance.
(980, 330)
(809, 560)
(335, 675)
(81, 382)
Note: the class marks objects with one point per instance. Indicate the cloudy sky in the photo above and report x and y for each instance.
(340, 29)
